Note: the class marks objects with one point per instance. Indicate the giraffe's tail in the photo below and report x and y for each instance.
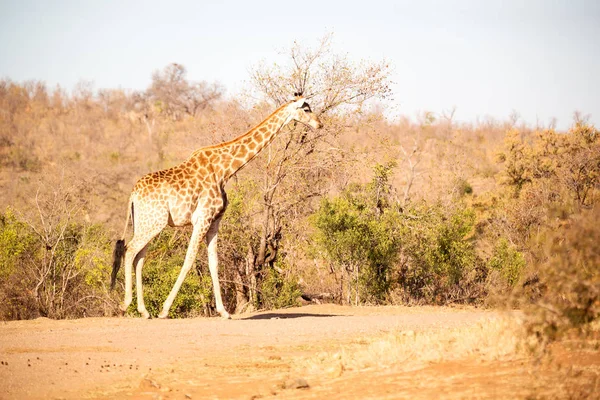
(118, 254)
(120, 248)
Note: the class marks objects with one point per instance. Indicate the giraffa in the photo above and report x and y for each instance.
(193, 192)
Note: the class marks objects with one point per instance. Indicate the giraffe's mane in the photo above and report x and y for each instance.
(264, 121)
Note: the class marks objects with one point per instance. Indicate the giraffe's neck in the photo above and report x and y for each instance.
(238, 152)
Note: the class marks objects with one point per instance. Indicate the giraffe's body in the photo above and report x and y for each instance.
(193, 193)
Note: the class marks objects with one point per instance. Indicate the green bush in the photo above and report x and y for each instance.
(16, 241)
(508, 261)
(18, 246)
(440, 260)
(279, 290)
(424, 253)
(57, 270)
(357, 232)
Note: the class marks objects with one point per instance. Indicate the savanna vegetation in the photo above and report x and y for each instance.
(367, 210)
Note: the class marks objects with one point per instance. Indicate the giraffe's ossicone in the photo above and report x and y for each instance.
(193, 193)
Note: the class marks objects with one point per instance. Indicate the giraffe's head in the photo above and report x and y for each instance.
(300, 111)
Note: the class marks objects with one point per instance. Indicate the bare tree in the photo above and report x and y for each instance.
(412, 158)
(298, 164)
(178, 96)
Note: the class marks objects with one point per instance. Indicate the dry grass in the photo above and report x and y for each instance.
(490, 359)
(495, 338)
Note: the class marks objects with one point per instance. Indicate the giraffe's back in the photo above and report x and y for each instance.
(175, 191)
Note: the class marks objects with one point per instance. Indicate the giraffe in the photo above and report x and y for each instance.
(193, 192)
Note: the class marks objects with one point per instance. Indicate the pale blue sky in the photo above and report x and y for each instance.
(487, 58)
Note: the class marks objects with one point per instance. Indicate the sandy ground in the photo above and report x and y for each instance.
(265, 355)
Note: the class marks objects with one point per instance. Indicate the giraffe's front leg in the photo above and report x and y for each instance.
(213, 266)
(190, 257)
(129, 256)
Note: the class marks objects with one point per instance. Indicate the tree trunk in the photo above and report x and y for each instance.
(262, 247)
(241, 298)
(251, 274)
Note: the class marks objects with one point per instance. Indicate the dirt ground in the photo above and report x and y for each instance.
(320, 351)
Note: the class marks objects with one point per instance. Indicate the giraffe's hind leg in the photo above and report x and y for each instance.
(134, 247)
(135, 254)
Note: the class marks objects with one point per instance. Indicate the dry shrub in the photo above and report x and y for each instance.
(552, 218)
(494, 338)
(570, 274)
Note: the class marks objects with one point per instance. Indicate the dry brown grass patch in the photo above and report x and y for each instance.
(495, 338)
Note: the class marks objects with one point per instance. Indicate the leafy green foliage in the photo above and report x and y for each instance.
(279, 290)
(17, 245)
(439, 253)
(426, 251)
(59, 272)
(16, 241)
(508, 261)
(356, 231)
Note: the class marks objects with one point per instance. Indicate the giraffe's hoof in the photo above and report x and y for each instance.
(225, 315)
(123, 309)
(145, 314)
(163, 315)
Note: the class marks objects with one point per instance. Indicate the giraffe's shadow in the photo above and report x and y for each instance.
(289, 316)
